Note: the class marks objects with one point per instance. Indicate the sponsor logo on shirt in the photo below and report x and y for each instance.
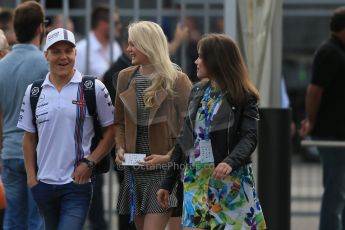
(41, 114)
(79, 102)
(42, 105)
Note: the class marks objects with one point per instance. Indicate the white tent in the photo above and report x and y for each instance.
(257, 27)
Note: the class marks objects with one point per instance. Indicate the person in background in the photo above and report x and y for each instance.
(150, 103)
(58, 157)
(24, 64)
(191, 47)
(4, 49)
(124, 61)
(175, 37)
(4, 46)
(58, 22)
(219, 135)
(99, 59)
(325, 119)
(180, 36)
(6, 24)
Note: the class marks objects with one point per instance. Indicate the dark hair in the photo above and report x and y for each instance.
(225, 65)
(100, 13)
(338, 20)
(6, 17)
(28, 16)
(124, 36)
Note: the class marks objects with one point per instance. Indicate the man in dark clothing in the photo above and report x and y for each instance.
(110, 80)
(6, 24)
(110, 77)
(325, 119)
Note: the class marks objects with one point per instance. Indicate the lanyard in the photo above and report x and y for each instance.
(209, 116)
(131, 190)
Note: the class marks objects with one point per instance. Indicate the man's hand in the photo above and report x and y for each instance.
(163, 198)
(312, 104)
(32, 182)
(306, 127)
(221, 171)
(181, 33)
(82, 174)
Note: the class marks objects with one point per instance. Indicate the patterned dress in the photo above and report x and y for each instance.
(230, 203)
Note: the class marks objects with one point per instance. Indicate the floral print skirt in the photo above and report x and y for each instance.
(230, 203)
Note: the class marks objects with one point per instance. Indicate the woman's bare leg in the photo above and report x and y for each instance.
(175, 223)
(156, 221)
(139, 222)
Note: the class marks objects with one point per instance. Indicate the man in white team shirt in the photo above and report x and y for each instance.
(61, 186)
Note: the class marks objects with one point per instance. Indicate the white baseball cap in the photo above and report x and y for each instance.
(59, 34)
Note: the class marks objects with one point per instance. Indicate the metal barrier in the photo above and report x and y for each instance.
(333, 144)
(306, 185)
(306, 189)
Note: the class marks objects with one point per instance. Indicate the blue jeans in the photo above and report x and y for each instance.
(63, 206)
(333, 199)
(96, 214)
(21, 211)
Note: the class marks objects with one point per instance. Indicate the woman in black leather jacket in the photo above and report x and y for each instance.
(214, 148)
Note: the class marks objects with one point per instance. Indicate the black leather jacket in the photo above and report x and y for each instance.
(233, 134)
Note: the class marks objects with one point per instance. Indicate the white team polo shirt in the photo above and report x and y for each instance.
(57, 126)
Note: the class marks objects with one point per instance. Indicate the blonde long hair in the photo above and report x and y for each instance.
(148, 37)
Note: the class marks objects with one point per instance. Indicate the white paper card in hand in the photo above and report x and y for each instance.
(131, 159)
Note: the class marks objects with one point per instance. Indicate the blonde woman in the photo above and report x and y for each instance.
(151, 100)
